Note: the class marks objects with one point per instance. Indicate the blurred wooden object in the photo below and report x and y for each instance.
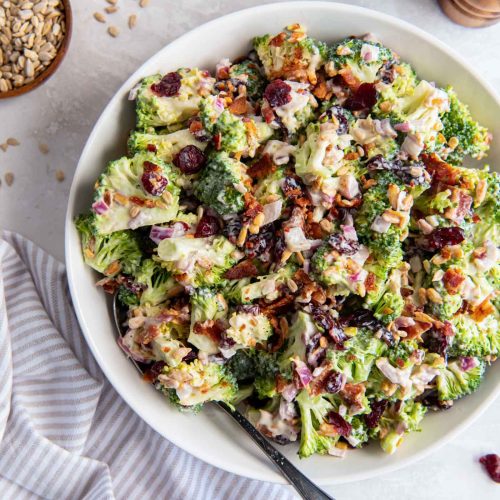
(472, 13)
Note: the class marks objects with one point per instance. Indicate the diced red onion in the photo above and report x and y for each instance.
(127, 344)
(176, 230)
(272, 211)
(402, 127)
(99, 207)
(289, 392)
(302, 376)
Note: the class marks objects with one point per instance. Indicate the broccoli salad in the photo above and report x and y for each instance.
(295, 232)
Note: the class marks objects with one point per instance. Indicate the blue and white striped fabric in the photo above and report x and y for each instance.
(64, 432)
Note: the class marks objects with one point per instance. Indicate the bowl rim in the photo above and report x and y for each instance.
(54, 65)
(113, 377)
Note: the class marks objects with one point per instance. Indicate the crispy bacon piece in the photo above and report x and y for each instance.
(482, 310)
(263, 167)
(148, 334)
(370, 282)
(239, 106)
(416, 330)
(278, 40)
(453, 280)
(279, 304)
(350, 79)
(440, 170)
(244, 269)
(353, 395)
(252, 207)
(210, 328)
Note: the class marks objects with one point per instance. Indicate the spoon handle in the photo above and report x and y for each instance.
(304, 486)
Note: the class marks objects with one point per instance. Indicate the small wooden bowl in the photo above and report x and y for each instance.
(51, 69)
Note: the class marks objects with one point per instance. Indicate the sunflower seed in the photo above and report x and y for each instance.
(132, 21)
(113, 31)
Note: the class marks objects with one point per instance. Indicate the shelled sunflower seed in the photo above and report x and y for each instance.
(31, 33)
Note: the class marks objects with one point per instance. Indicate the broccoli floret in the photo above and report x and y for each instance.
(389, 307)
(165, 146)
(475, 338)
(473, 139)
(359, 59)
(448, 306)
(258, 366)
(248, 329)
(358, 357)
(318, 157)
(250, 74)
(267, 286)
(128, 297)
(135, 192)
(109, 254)
(454, 382)
(155, 110)
(300, 332)
(157, 282)
(268, 189)
(197, 261)
(169, 345)
(290, 55)
(236, 135)
(206, 305)
(221, 185)
(313, 413)
(196, 383)
(397, 420)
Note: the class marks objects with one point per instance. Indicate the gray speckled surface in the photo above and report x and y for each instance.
(62, 113)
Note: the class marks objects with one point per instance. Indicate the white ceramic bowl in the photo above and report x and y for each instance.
(211, 436)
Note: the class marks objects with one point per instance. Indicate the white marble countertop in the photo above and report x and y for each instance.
(62, 112)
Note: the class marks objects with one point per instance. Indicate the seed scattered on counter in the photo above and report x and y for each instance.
(9, 178)
(44, 149)
(60, 176)
(30, 36)
(12, 141)
(111, 10)
(99, 16)
(113, 31)
(132, 21)
(112, 2)
(143, 3)
(4, 147)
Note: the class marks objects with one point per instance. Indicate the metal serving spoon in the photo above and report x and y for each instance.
(304, 486)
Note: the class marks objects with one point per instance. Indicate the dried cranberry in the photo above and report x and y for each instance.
(277, 93)
(491, 463)
(190, 356)
(436, 341)
(364, 98)
(378, 407)
(260, 244)
(329, 325)
(363, 318)
(339, 113)
(341, 426)
(189, 159)
(342, 245)
(387, 72)
(333, 382)
(208, 226)
(443, 236)
(226, 342)
(168, 86)
(399, 168)
(153, 181)
(232, 228)
(280, 246)
(151, 148)
(156, 368)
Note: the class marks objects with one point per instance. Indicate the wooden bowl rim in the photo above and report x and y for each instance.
(50, 70)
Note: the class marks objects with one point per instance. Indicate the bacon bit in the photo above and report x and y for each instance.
(244, 269)
(321, 90)
(239, 106)
(453, 280)
(352, 156)
(370, 282)
(252, 207)
(217, 141)
(447, 329)
(195, 126)
(416, 330)
(482, 311)
(267, 114)
(281, 303)
(113, 268)
(147, 335)
(109, 285)
(263, 167)
(278, 40)
(440, 170)
(210, 328)
(350, 79)
(353, 394)
(223, 73)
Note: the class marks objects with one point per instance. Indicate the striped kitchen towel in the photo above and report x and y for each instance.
(64, 432)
